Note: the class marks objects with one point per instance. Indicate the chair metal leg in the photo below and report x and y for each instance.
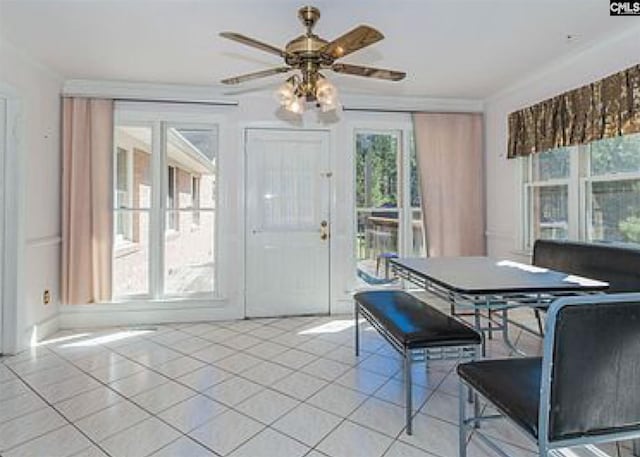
(407, 390)
(543, 449)
(476, 410)
(490, 324)
(478, 325)
(536, 311)
(462, 428)
(356, 313)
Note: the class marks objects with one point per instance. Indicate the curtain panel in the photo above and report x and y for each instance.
(606, 108)
(450, 163)
(87, 200)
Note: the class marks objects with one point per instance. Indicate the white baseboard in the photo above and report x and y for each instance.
(40, 331)
(109, 315)
(342, 306)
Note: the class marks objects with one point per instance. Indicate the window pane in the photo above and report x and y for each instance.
(548, 212)
(615, 211)
(377, 242)
(376, 170)
(189, 259)
(133, 167)
(615, 155)
(191, 153)
(204, 140)
(131, 253)
(553, 164)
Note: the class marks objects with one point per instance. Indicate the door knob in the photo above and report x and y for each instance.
(324, 230)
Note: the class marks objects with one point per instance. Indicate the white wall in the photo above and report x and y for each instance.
(503, 193)
(38, 91)
(253, 111)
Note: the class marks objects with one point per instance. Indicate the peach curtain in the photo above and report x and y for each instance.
(449, 152)
(87, 200)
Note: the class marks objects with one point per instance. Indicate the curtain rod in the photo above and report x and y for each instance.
(180, 102)
(406, 111)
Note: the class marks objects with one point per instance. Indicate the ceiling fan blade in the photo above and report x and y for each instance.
(358, 38)
(256, 75)
(369, 72)
(254, 43)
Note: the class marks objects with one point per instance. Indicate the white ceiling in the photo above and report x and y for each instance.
(449, 48)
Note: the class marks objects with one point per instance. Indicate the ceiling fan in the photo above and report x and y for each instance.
(309, 54)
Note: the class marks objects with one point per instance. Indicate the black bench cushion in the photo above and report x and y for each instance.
(617, 265)
(414, 323)
(512, 385)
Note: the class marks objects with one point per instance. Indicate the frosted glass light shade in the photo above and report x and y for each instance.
(296, 105)
(285, 94)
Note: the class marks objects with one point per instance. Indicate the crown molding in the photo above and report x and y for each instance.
(213, 94)
(141, 90)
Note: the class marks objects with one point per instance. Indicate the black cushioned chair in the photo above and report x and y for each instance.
(416, 330)
(584, 389)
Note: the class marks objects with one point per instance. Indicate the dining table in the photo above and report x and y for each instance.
(487, 288)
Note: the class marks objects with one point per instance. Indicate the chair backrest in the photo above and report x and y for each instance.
(617, 265)
(591, 367)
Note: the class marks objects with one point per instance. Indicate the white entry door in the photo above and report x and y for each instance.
(287, 229)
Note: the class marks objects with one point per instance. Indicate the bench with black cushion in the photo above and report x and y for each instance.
(618, 265)
(584, 389)
(411, 325)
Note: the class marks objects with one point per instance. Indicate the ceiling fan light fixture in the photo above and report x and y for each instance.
(326, 95)
(286, 92)
(325, 91)
(296, 105)
(330, 106)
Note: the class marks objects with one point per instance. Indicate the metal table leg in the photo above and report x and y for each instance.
(505, 333)
(636, 447)
(478, 325)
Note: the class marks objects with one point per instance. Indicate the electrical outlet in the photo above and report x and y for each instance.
(46, 297)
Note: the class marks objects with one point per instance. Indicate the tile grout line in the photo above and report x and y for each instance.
(267, 387)
(60, 414)
(232, 408)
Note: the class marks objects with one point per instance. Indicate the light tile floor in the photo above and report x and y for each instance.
(257, 388)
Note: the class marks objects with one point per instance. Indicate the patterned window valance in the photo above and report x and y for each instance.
(603, 109)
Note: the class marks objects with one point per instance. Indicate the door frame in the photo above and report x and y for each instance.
(277, 126)
(404, 127)
(12, 220)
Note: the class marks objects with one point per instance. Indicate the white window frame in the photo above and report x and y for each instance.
(579, 204)
(130, 180)
(159, 119)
